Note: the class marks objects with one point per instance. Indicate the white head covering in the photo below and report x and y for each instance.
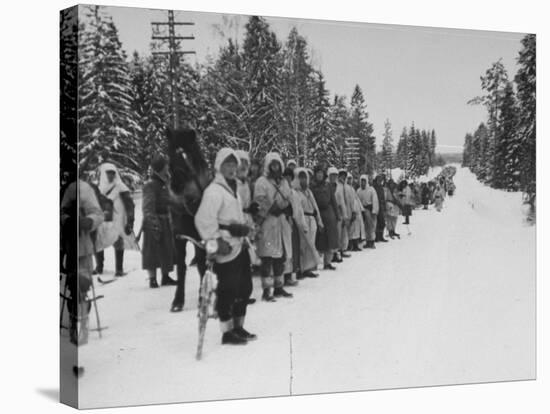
(222, 155)
(291, 161)
(296, 181)
(269, 158)
(332, 170)
(243, 155)
(115, 187)
(364, 177)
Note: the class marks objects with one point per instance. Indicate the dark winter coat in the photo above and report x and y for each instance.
(425, 195)
(381, 199)
(158, 241)
(326, 202)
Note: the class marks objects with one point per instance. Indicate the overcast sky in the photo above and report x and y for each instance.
(407, 74)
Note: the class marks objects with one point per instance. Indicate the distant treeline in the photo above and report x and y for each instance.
(448, 158)
(502, 151)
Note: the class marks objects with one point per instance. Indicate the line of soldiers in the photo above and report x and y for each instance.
(282, 221)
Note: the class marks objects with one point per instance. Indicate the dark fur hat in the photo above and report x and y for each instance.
(288, 173)
(320, 167)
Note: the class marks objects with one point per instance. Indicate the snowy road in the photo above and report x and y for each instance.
(454, 302)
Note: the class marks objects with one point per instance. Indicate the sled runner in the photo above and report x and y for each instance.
(207, 292)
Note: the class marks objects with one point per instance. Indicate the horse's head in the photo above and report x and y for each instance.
(186, 159)
(188, 167)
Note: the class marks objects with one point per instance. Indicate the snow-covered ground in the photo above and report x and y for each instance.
(453, 302)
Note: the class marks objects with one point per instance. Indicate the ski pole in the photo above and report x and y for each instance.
(99, 328)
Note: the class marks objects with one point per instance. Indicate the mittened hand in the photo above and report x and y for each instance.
(275, 210)
(288, 211)
(152, 224)
(238, 229)
(85, 223)
(129, 229)
(224, 248)
(254, 208)
(369, 207)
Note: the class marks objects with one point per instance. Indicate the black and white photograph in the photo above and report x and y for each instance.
(257, 206)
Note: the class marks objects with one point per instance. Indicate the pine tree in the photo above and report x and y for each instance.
(107, 124)
(493, 83)
(433, 145)
(387, 147)
(68, 94)
(508, 145)
(419, 156)
(480, 153)
(262, 63)
(150, 108)
(339, 119)
(467, 153)
(411, 148)
(298, 91)
(504, 153)
(401, 153)
(425, 153)
(526, 81)
(226, 103)
(240, 94)
(323, 145)
(361, 128)
(188, 83)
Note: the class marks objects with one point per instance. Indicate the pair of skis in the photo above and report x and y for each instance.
(207, 294)
(207, 299)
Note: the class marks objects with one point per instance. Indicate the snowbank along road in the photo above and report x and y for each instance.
(453, 302)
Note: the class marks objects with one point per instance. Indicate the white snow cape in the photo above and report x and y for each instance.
(110, 231)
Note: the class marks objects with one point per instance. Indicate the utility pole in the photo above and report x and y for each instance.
(174, 54)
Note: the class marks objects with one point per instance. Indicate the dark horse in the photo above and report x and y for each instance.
(190, 177)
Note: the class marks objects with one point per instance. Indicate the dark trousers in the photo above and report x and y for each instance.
(119, 256)
(234, 286)
(296, 248)
(181, 266)
(380, 225)
(407, 212)
(277, 264)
